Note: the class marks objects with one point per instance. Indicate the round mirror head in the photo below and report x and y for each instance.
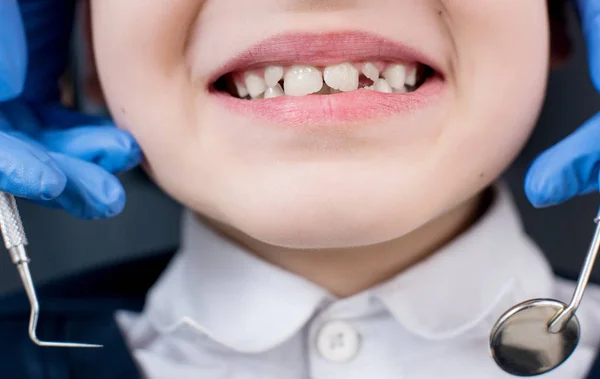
(521, 343)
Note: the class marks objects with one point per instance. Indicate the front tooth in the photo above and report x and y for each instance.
(343, 77)
(274, 91)
(273, 74)
(370, 71)
(381, 85)
(241, 89)
(411, 76)
(256, 84)
(302, 81)
(395, 75)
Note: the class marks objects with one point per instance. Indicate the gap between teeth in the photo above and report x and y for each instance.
(301, 80)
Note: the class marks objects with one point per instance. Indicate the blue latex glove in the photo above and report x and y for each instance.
(48, 154)
(571, 167)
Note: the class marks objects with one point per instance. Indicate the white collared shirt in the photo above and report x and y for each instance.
(219, 312)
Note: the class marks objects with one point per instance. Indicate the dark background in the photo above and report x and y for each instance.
(60, 244)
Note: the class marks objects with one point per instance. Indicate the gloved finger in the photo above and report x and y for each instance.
(113, 149)
(568, 169)
(28, 172)
(589, 12)
(13, 51)
(56, 116)
(91, 192)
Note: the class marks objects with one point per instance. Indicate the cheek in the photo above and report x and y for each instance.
(141, 67)
(496, 88)
(499, 81)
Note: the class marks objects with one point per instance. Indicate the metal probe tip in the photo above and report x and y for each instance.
(25, 275)
(15, 241)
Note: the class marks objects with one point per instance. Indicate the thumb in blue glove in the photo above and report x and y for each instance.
(571, 167)
(568, 169)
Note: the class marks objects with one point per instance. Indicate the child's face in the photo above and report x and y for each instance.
(331, 170)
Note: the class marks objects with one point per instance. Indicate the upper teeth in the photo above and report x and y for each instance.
(343, 77)
(241, 88)
(411, 76)
(255, 84)
(273, 74)
(395, 76)
(370, 71)
(301, 80)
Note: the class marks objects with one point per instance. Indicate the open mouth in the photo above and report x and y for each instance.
(332, 78)
(273, 80)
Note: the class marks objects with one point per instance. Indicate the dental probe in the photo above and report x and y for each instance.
(15, 242)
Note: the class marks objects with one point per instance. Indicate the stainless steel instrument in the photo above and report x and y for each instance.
(15, 242)
(538, 335)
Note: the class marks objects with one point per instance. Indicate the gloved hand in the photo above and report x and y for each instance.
(49, 154)
(572, 166)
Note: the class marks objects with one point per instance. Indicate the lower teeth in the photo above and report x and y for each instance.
(381, 86)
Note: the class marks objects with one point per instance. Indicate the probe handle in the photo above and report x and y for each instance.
(11, 225)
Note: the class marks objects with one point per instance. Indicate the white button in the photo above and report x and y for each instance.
(338, 341)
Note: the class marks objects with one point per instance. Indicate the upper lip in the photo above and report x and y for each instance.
(322, 49)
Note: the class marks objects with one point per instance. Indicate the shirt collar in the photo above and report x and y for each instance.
(218, 289)
(472, 280)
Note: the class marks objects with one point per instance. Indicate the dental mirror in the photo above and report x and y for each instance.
(538, 335)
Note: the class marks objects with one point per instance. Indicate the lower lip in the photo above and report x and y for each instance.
(335, 109)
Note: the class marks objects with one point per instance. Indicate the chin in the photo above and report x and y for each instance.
(324, 229)
(325, 216)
